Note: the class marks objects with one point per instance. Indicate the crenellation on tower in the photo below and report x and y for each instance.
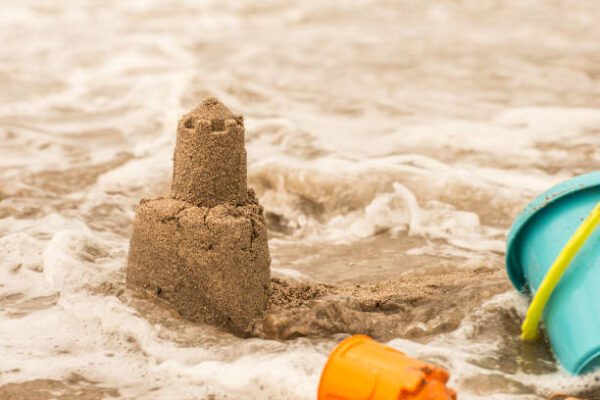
(210, 156)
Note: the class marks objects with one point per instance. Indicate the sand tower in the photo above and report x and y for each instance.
(203, 249)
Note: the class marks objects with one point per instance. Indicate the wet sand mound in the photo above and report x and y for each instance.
(415, 307)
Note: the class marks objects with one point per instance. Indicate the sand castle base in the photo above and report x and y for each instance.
(210, 264)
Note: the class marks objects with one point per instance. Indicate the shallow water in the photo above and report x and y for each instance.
(384, 139)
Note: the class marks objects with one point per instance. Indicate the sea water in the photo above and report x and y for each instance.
(384, 138)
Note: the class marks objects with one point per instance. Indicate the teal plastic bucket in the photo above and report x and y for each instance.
(572, 314)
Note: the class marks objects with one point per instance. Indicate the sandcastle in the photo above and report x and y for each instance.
(203, 248)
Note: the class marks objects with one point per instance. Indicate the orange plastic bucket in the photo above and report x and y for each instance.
(360, 368)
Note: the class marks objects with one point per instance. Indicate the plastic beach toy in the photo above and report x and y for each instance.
(552, 278)
(360, 368)
(553, 251)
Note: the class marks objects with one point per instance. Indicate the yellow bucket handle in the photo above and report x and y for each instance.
(529, 329)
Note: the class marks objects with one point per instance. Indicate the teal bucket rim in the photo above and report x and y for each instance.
(563, 189)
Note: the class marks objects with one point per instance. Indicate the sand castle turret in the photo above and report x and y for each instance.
(203, 249)
(210, 157)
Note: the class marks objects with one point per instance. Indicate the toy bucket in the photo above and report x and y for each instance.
(360, 368)
(538, 235)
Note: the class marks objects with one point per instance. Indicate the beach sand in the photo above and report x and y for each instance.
(418, 307)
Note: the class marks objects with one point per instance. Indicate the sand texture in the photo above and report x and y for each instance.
(210, 158)
(203, 249)
(414, 307)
